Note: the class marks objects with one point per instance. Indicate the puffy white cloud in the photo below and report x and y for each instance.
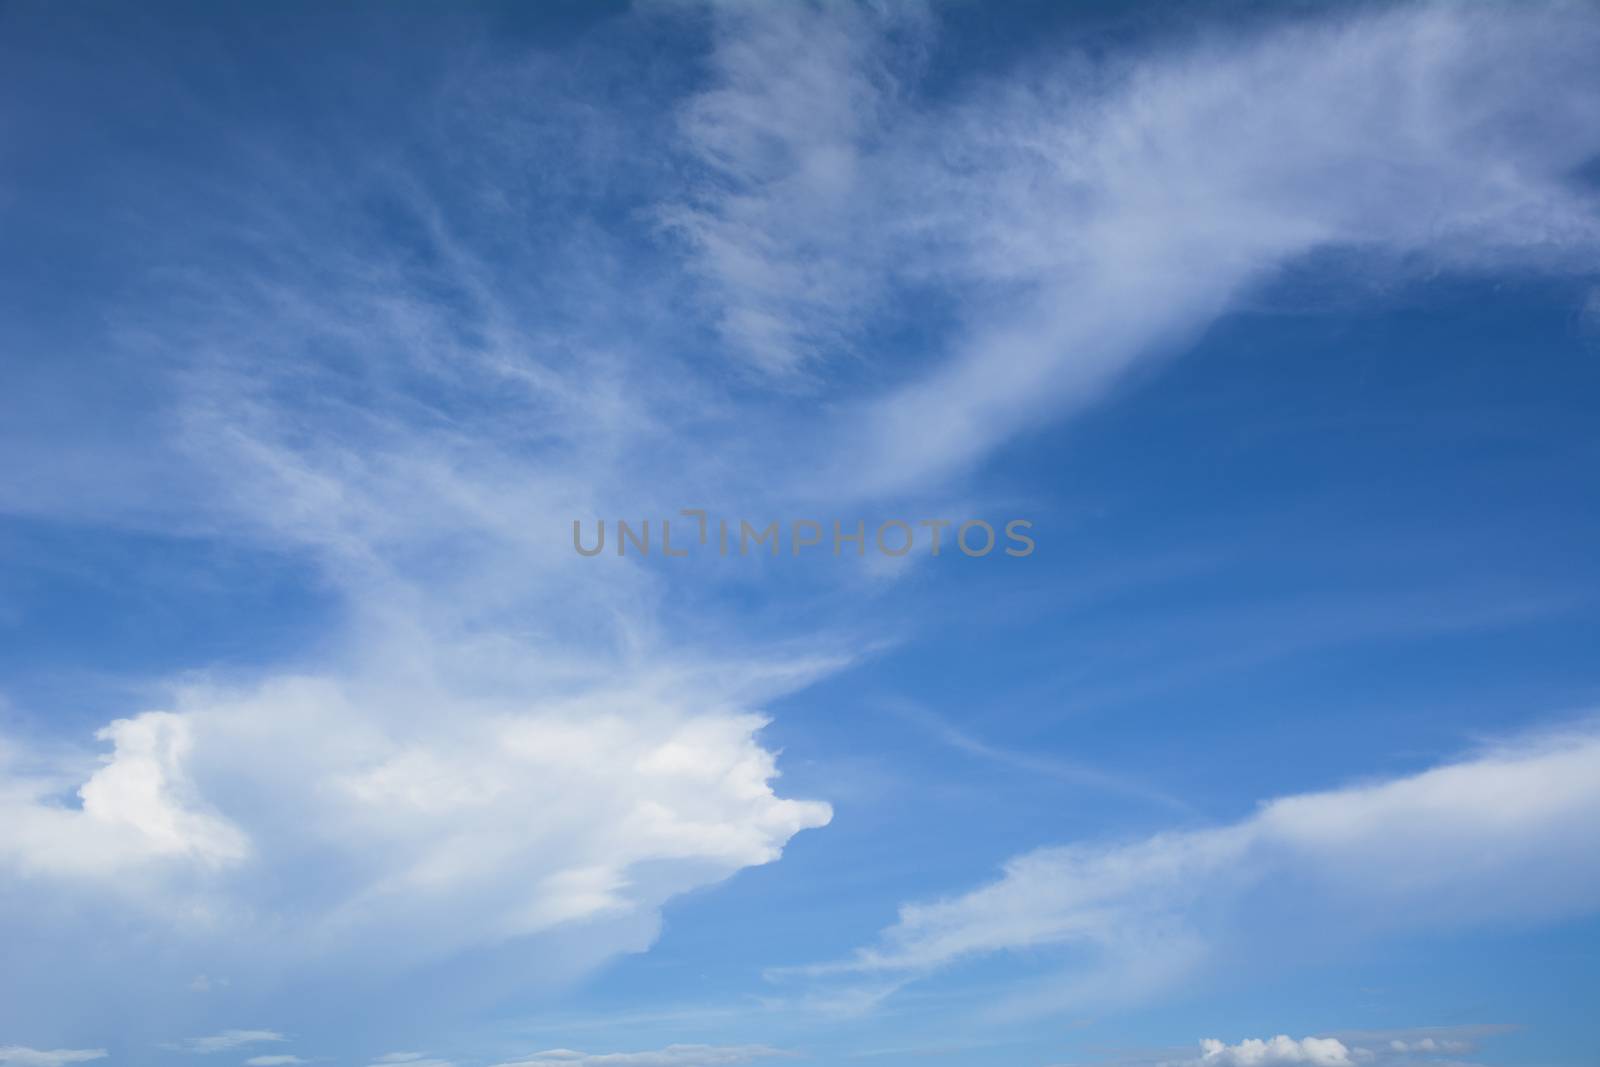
(1348, 1050)
(1254, 1052)
(1430, 1045)
(139, 807)
(18, 1056)
(1505, 835)
(671, 1056)
(461, 823)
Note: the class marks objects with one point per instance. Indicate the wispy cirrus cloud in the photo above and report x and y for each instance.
(1083, 217)
(781, 212)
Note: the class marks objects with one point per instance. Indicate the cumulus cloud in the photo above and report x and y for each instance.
(18, 1056)
(1502, 836)
(671, 1056)
(504, 820)
(1348, 1050)
(1280, 1050)
(139, 807)
(1430, 1045)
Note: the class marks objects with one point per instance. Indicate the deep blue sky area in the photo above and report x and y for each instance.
(321, 325)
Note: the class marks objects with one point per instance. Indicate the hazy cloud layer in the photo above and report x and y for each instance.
(227, 1041)
(18, 1056)
(671, 1056)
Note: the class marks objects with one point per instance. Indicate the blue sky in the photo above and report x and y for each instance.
(322, 326)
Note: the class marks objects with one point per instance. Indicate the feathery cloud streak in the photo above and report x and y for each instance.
(1085, 218)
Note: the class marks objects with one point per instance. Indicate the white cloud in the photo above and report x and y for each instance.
(671, 1056)
(493, 740)
(1503, 836)
(273, 1061)
(140, 807)
(462, 823)
(1349, 1050)
(800, 95)
(1275, 1052)
(226, 1041)
(1430, 1044)
(18, 1056)
(1081, 218)
(1132, 219)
